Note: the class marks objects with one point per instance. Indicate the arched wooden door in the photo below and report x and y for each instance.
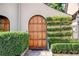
(37, 32)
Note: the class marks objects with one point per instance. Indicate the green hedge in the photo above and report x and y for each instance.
(53, 23)
(59, 18)
(57, 40)
(61, 40)
(58, 23)
(59, 29)
(59, 34)
(13, 43)
(71, 48)
(63, 32)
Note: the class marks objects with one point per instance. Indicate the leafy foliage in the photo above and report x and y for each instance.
(59, 34)
(60, 23)
(71, 48)
(59, 29)
(59, 18)
(58, 6)
(13, 43)
(61, 40)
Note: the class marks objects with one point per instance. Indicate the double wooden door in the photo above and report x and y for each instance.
(37, 32)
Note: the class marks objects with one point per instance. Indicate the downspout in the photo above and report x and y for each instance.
(19, 17)
(78, 20)
(66, 7)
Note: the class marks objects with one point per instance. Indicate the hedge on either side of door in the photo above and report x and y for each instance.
(65, 48)
(59, 29)
(13, 43)
(59, 18)
(58, 22)
(59, 34)
(61, 40)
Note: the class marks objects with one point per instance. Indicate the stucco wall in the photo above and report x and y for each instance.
(10, 11)
(30, 9)
(72, 8)
(75, 25)
(19, 14)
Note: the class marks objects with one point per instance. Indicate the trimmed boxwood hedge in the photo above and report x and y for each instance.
(61, 40)
(71, 48)
(59, 29)
(53, 23)
(59, 34)
(13, 43)
(58, 23)
(59, 18)
(59, 26)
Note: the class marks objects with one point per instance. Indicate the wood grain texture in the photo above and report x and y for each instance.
(37, 32)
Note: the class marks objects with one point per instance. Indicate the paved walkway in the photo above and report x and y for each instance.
(38, 53)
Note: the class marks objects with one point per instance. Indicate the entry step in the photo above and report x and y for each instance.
(39, 53)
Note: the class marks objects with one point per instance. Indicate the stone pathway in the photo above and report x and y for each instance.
(38, 53)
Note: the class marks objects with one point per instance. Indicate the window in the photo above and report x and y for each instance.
(4, 23)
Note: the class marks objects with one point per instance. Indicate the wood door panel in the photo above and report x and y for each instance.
(35, 35)
(39, 20)
(43, 43)
(31, 35)
(37, 32)
(39, 27)
(43, 27)
(43, 35)
(34, 20)
(39, 35)
(35, 27)
(31, 27)
(35, 43)
(31, 43)
(39, 43)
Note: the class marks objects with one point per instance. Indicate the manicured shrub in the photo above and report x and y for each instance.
(53, 29)
(58, 23)
(66, 28)
(59, 18)
(49, 19)
(57, 40)
(13, 43)
(59, 34)
(66, 23)
(60, 29)
(53, 23)
(71, 48)
(61, 40)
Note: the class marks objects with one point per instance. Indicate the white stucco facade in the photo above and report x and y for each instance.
(72, 8)
(20, 14)
(10, 11)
